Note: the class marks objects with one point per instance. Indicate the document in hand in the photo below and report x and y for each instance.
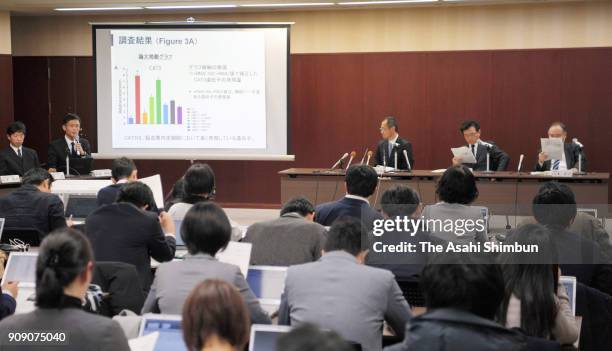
(553, 147)
(464, 154)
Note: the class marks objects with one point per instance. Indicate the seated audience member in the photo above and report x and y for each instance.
(498, 159)
(33, 205)
(398, 203)
(63, 273)
(215, 318)
(456, 190)
(199, 186)
(291, 239)
(569, 158)
(535, 300)
(123, 171)
(8, 294)
(554, 206)
(309, 337)
(176, 194)
(125, 232)
(590, 228)
(360, 182)
(16, 158)
(339, 293)
(205, 231)
(462, 295)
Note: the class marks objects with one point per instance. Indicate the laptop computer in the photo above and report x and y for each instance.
(570, 287)
(169, 329)
(267, 283)
(264, 337)
(21, 267)
(80, 206)
(177, 227)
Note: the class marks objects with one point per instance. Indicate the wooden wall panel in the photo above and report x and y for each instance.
(338, 101)
(6, 93)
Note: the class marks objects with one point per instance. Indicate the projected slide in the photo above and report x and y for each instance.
(187, 89)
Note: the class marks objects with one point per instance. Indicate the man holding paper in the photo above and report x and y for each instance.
(474, 155)
(556, 154)
(392, 147)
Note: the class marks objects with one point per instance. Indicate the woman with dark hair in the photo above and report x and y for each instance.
(205, 231)
(215, 318)
(63, 273)
(448, 219)
(535, 301)
(198, 185)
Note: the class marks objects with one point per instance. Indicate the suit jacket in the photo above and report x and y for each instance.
(382, 153)
(122, 232)
(7, 305)
(175, 280)
(120, 280)
(327, 213)
(571, 158)
(595, 308)
(498, 159)
(10, 163)
(58, 150)
(108, 194)
(84, 330)
(28, 207)
(285, 241)
(447, 329)
(583, 259)
(447, 211)
(338, 293)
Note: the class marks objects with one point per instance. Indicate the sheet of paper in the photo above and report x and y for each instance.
(238, 254)
(144, 343)
(464, 154)
(154, 182)
(81, 187)
(553, 147)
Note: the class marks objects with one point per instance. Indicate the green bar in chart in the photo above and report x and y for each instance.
(158, 103)
(152, 110)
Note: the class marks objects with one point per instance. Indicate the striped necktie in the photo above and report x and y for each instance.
(556, 164)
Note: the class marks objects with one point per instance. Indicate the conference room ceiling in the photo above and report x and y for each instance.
(49, 7)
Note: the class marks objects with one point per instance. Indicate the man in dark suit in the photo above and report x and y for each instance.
(33, 205)
(123, 171)
(570, 155)
(16, 158)
(360, 182)
(554, 206)
(498, 159)
(393, 145)
(70, 145)
(125, 232)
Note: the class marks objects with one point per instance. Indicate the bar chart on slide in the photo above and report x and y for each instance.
(172, 92)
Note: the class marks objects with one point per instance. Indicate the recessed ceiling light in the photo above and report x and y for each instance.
(385, 2)
(301, 4)
(180, 7)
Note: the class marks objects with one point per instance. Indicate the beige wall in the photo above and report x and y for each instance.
(5, 33)
(520, 26)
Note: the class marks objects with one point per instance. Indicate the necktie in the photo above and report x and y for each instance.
(473, 149)
(72, 150)
(19, 152)
(556, 164)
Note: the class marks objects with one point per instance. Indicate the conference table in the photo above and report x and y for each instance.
(504, 193)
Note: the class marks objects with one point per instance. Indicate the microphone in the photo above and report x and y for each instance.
(369, 156)
(364, 155)
(340, 160)
(353, 154)
(575, 141)
(520, 163)
(407, 160)
(77, 142)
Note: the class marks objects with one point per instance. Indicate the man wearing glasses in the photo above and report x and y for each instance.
(498, 159)
(392, 147)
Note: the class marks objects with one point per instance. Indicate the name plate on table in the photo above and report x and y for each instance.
(564, 173)
(101, 173)
(58, 175)
(10, 179)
